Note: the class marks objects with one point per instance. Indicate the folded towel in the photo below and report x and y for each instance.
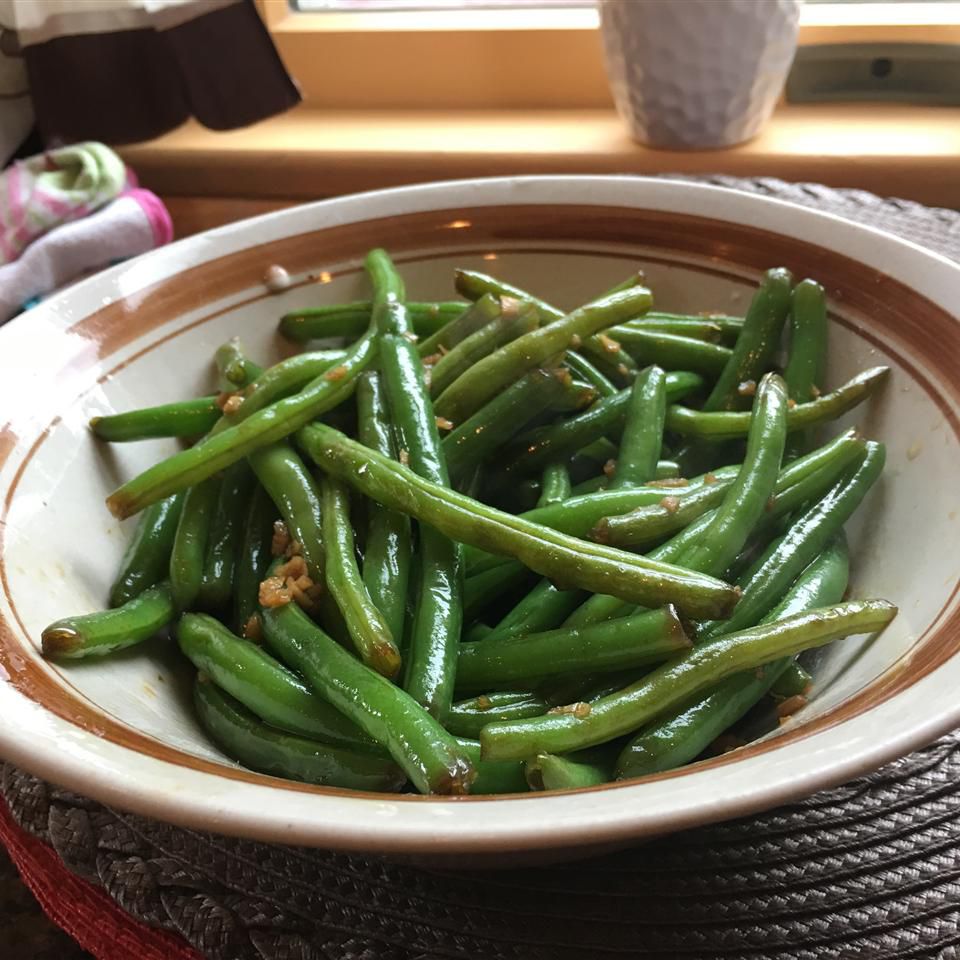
(132, 224)
(53, 188)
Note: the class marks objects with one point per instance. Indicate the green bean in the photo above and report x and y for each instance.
(795, 681)
(609, 358)
(547, 771)
(493, 776)
(535, 448)
(473, 285)
(807, 537)
(254, 744)
(475, 317)
(514, 320)
(224, 537)
(235, 369)
(188, 554)
(680, 679)
(368, 630)
(555, 487)
(221, 449)
(566, 560)
(146, 560)
(684, 734)
(757, 343)
(596, 609)
(574, 396)
(438, 617)
(188, 418)
(253, 556)
(701, 326)
(296, 495)
(482, 589)
(94, 634)
(543, 608)
(666, 470)
(497, 421)
(642, 430)
(671, 351)
(808, 348)
(497, 371)
(720, 426)
(351, 319)
(282, 380)
(744, 503)
(649, 637)
(582, 368)
(264, 685)
(387, 552)
(468, 717)
(431, 758)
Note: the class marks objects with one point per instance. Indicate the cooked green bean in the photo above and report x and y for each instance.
(253, 556)
(684, 734)
(282, 380)
(260, 747)
(496, 372)
(514, 320)
(672, 351)
(146, 560)
(224, 537)
(351, 319)
(188, 553)
(714, 327)
(566, 560)
(188, 418)
(387, 551)
(795, 681)
(757, 343)
(493, 776)
(642, 437)
(808, 348)
(536, 448)
(221, 449)
(264, 685)
(468, 717)
(582, 368)
(236, 370)
(680, 680)
(555, 487)
(720, 426)
(547, 771)
(475, 317)
(482, 589)
(94, 634)
(748, 496)
(368, 629)
(649, 637)
(431, 757)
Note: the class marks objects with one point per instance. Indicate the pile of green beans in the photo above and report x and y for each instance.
(458, 553)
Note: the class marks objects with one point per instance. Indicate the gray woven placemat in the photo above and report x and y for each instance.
(868, 870)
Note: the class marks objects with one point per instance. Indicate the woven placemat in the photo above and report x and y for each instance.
(868, 870)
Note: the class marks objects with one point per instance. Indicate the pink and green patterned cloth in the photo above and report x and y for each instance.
(54, 188)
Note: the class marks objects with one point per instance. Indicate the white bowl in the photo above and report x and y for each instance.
(121, 729)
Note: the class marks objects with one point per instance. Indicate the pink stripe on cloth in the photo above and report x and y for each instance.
(156, 213)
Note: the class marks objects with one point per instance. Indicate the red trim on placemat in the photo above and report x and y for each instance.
(79, 908)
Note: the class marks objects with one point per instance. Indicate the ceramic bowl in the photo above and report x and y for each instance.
(121, 729)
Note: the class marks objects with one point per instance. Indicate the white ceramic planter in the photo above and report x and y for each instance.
(697, 73)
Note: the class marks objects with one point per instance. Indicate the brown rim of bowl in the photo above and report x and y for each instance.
(918, 328)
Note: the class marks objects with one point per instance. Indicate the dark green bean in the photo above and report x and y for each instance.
(514, 320)
(757, 343)
(493, 776)
(260, 747)
(543, 608)
(684, 734)
(369, 633)
(468, 717)
(547, 771)
(482, 589)
(645, 638)
(555, 487)
(188, 418)
(808, 349)
(351, 319)
(224, 537)
(188, 554)
(264, 685)
(94, 634)
(387, 552)
(235, 369)
(584, 370)
(566, 560)
(720, 426)
(253, 557)
(146, 560)
(607, 355)
(670, 351)
(793, 682)
(496, 372)
(430, 756)
(681, 679)
(642, 430)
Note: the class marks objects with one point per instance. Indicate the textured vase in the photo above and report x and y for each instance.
(697, 73)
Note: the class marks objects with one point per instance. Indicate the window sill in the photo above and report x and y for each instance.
(308, 154)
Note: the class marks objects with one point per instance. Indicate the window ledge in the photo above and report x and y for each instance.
(307, 154)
